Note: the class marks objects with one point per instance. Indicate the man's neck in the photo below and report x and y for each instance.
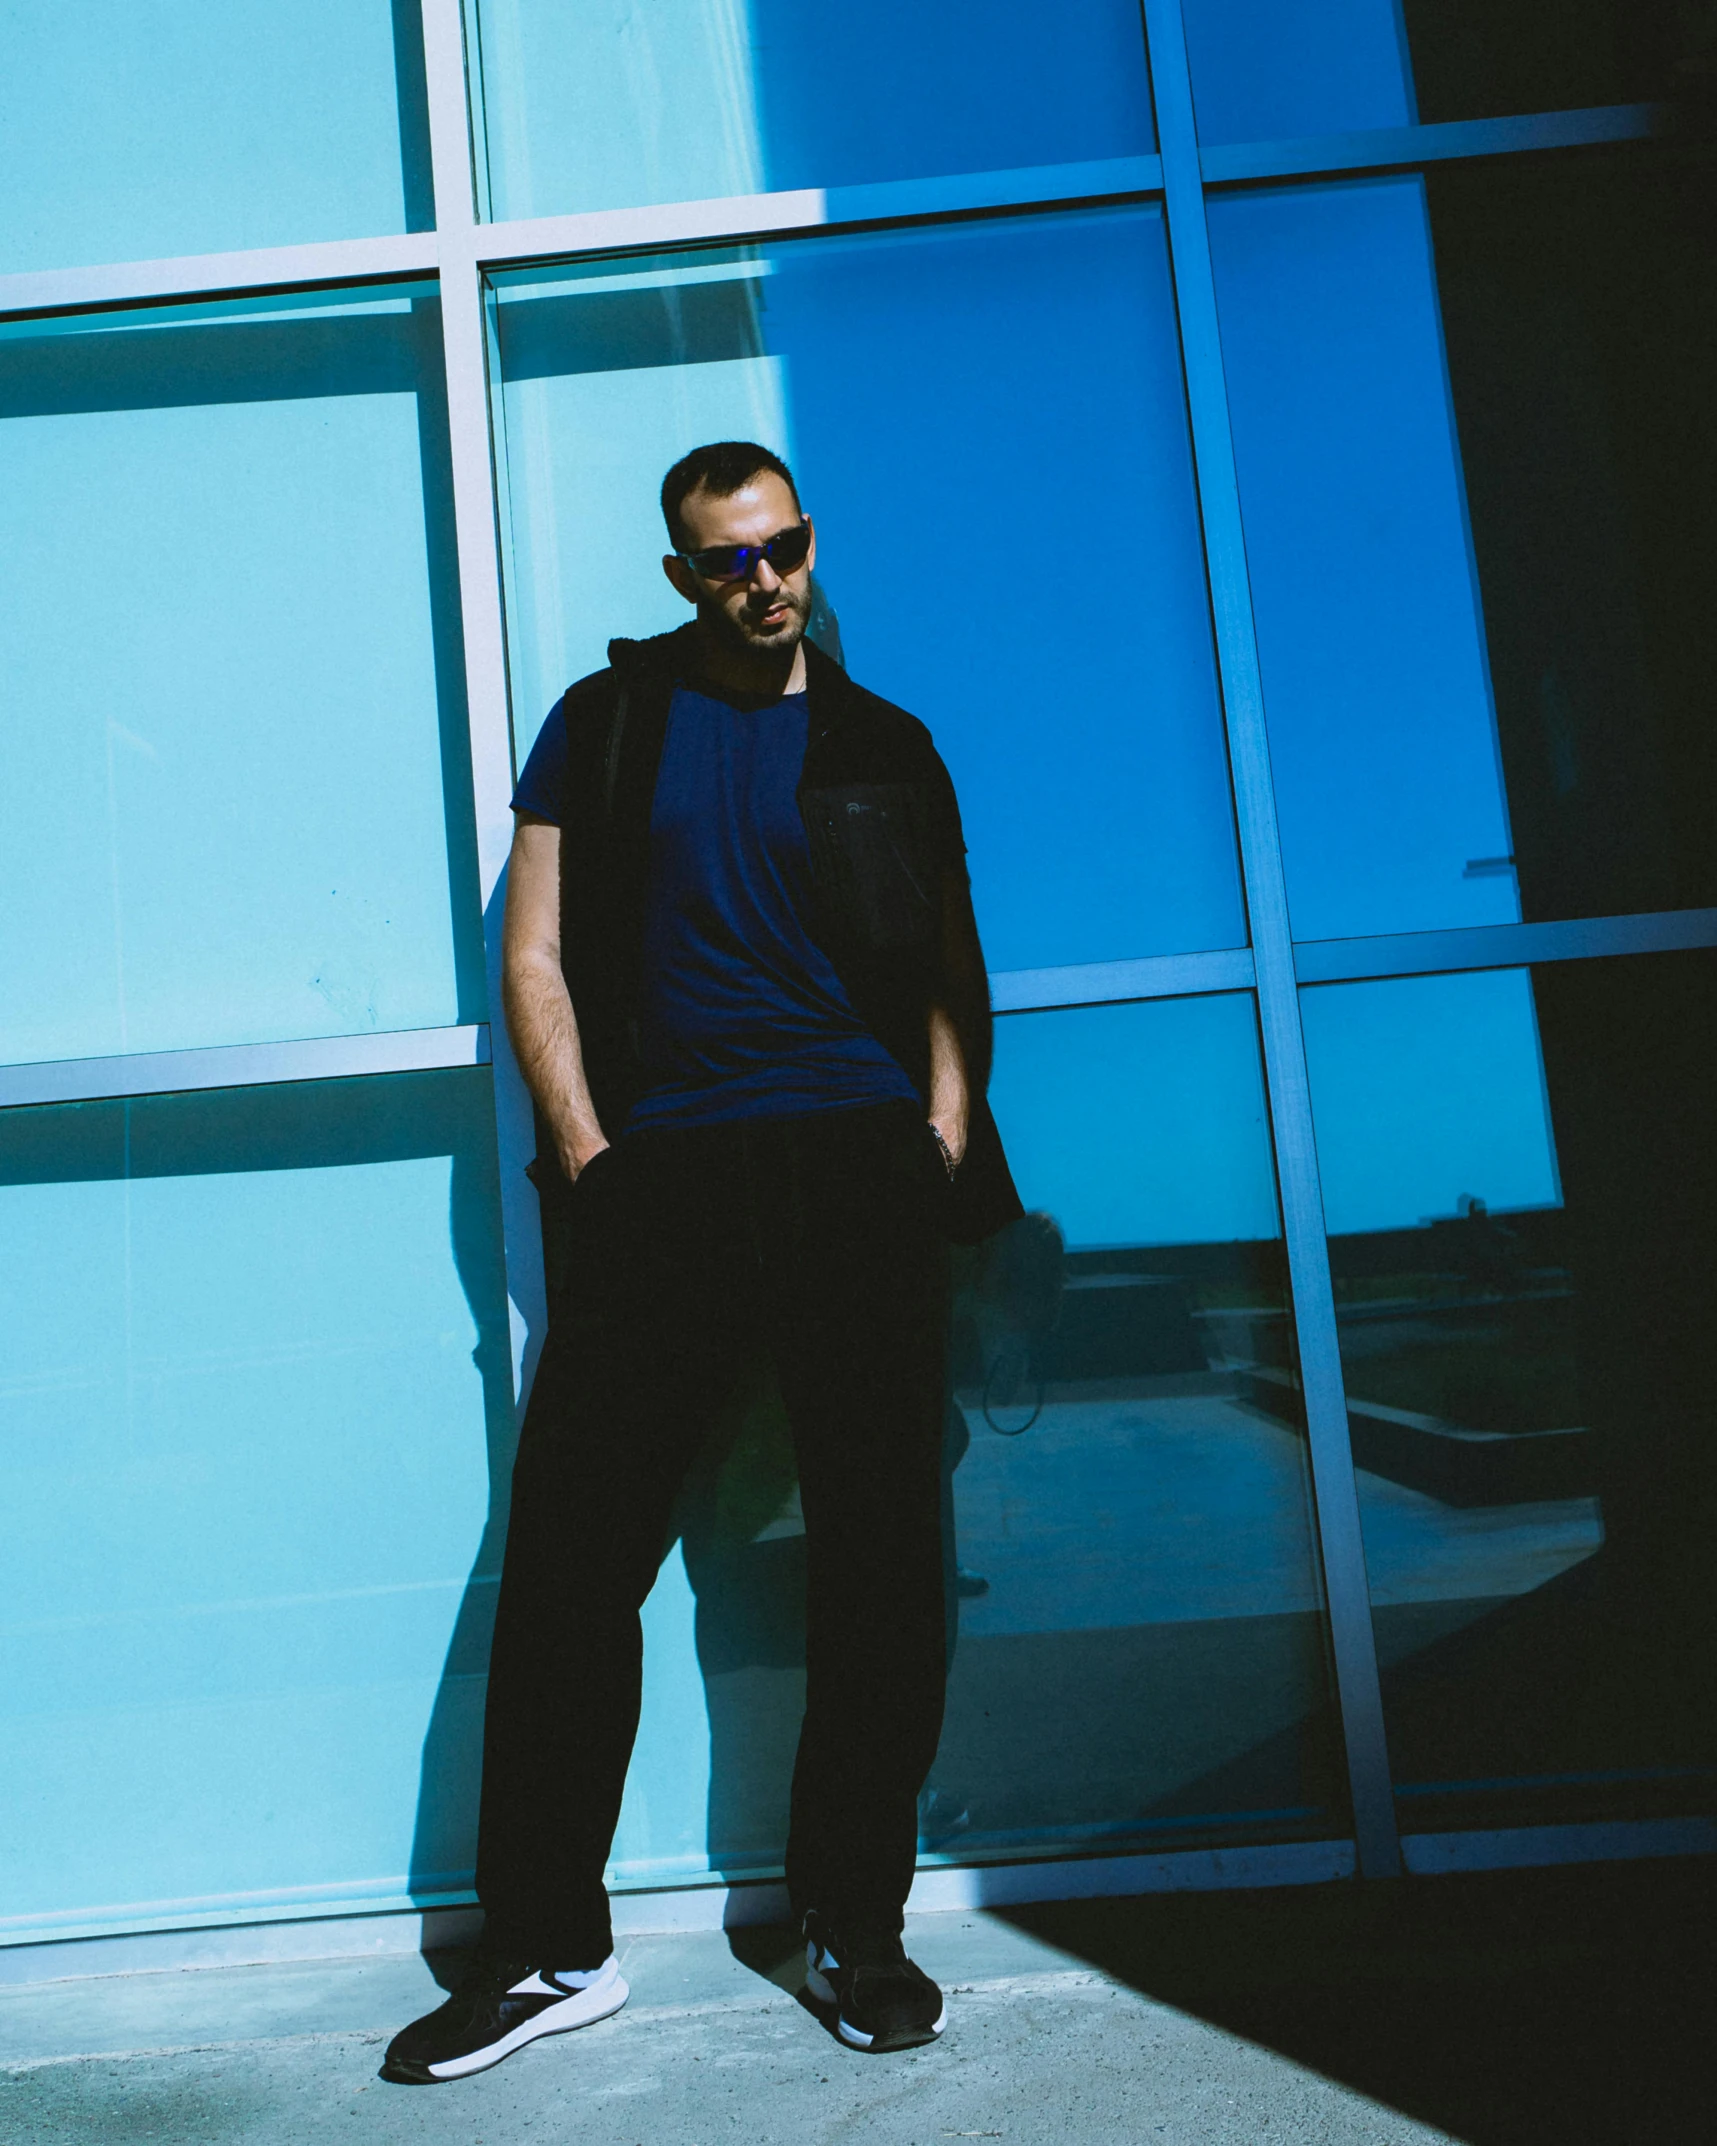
(758, 674)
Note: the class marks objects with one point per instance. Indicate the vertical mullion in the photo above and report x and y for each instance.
(464, 343)
(1342, 1548)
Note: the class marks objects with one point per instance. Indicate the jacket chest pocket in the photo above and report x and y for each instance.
(873, 857)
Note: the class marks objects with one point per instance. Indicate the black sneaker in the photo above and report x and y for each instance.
(499, 2007)
(880, 1999)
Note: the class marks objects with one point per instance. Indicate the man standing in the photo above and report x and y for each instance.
(745, 988)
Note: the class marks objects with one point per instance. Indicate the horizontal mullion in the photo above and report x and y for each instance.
(1097, 983)
(243, 1065)
(1503, 946)
(329, 263)
(1389, 148)
(810, 208)
(336, 262)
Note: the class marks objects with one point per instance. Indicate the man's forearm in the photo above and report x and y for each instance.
(544, 1030)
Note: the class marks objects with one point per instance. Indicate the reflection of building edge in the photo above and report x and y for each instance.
(1458, 1466)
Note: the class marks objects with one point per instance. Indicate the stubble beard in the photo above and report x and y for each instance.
(731, 629)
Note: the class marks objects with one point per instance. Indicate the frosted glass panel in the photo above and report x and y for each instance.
(611, 103)
(237, 800)
(136, 129)
(918, 385)
(255, 1358)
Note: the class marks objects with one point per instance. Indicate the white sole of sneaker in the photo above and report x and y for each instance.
(598, 2000)
(823, 1990)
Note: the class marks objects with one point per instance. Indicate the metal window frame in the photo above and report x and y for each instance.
(461, 251)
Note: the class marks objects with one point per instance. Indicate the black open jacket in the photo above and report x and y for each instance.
(888, 867)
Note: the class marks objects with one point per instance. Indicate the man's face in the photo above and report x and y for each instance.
(767, 612)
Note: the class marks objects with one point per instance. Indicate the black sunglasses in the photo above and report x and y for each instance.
(786, 551)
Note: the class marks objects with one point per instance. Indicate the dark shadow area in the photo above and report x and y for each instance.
(1521, 2008)
(1488, 59)
(1579, 310)
(411, 93)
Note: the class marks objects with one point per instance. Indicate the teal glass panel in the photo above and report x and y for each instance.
(1135, 1625)
(237, 805)
(256, 1382)
(1370, 634)
(1519, 1184)
(611, 105)
(918, 384)
(138, 129)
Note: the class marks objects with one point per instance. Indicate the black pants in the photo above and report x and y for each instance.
(816, 1237)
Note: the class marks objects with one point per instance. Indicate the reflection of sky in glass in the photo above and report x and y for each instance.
(1425, 1088)
(616, 102)
(1139, 1124)
(963, 410)
(1382, 735)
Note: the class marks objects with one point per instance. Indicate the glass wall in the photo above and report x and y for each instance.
(138, 129)
(1518, 1173)
(608, 105)
(303, 543)
(910, 378)
(239, 797)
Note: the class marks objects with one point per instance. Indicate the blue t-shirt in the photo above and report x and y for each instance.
(743, 1013)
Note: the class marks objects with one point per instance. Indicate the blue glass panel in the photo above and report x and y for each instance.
(1519, 1181)
(988, 426)
(1382, 732)
(256, 1362)
(237, 804)
(137, 129)
(1261, 71)
(608, 105)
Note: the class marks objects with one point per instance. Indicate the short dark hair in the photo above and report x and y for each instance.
(721, 469)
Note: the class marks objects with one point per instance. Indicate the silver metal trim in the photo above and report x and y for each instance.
(331, 263)
(1397, 148)
(1431, 1855)
(335, 1928)
(1504, 946)
(461, 241)
(1100, 983)
(243, 1065)
(464, 344)
(1342, 1548)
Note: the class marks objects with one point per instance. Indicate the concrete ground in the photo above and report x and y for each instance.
(1565, 2006)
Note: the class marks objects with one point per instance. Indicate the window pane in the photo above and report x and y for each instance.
(1134, 1622)
(968, 508)
(1369, 629)
(1262, 71)
(1518, 1177)
(608, 105)
(1148, 1657)
(237, 804)
(256, 1356)
(138, 129)
(1560, 316)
